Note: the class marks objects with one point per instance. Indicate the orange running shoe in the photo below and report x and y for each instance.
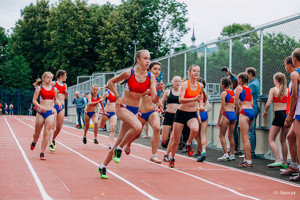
(190, 150)
(172, 163)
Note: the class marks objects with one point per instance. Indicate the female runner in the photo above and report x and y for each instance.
(227, 119)
(45, 111)
(137, 81)
(90, 113)
(190, 96)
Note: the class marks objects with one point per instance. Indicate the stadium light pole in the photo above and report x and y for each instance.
(134, 42)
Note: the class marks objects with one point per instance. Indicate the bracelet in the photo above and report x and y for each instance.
(117, 96)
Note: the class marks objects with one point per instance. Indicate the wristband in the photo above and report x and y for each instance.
(158, 93)
(117, 96)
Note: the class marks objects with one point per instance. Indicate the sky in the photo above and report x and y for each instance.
(208, 17)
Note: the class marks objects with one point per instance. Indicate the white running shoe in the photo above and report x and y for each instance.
(223, 158)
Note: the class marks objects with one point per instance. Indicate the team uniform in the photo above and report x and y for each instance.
(110, 99)
(61, 90)
(90, 114)
(280, 115)
(246, 95)
(230, 115)
(46, 95)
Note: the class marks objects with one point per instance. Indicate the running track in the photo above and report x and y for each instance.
(71, 172)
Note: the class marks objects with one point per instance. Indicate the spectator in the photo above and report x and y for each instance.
(0, 108)
(80, 105)
(254, 86)
(6, 109)
(11, 109)
(30, 110)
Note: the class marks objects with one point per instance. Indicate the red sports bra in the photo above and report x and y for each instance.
(94, 100)
(111, 98)
(189, 93)
(47, 94)
(280, 100)
(61, 89)
(133, 86)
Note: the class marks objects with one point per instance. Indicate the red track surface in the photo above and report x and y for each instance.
(71, 172)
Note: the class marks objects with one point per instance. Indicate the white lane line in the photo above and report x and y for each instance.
(116, 175)
(35, 176)
(227, 167)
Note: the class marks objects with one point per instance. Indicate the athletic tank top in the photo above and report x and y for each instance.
(280, 100)
(297, 110)
(189, 93)
(172, 98)
(246, 94)
(133, 86)
(95, 100)
(229, 96)
(47, 94)
(111, 98)
(61, 89)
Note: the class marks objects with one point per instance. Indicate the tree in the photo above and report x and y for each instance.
(70, 25)
(29, 36)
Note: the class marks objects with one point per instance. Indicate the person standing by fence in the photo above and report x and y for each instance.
(11, 109)
(30, 110)
(80, 105)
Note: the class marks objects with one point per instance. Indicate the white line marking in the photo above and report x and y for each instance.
(35, 176)
(231, 168)
(119, 177)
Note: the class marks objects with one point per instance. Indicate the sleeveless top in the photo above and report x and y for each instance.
(297, 109)
(61, 89)
(111, 98)
(47, 94)
(246, 94)
(95, 100)
(172, 98)
(189, 93)
(133, 86)
(280, 99)
(229, 97)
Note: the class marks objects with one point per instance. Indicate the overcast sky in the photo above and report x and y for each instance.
(208, 17)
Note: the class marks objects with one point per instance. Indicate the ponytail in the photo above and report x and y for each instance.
(38, 82)
(281, 79)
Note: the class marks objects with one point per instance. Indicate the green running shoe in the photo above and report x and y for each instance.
(275, 164)
(117, 155)
(51, 148)
(103, 173)
(285, 166)
(53, 143)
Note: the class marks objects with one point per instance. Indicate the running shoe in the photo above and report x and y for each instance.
(53, 143)
(117, 155)
(127, 150)
(224, 158)
(103, 173)
(51, 148)
(84, 140)
(189, 150)
(245, 164)
(96, 141)
(275, 164)
(285, 166)
(289, 171)
(172, 163)
(166, 158)
(196, 153)
(202, 157)
(110, 147)
(295, 178)
(32, 146)
(164, 144)
(42, 156)
(155, 159)
(232, 157)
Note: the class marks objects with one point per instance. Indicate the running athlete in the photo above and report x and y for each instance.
(227, 119)
(201, 135)
(44, 117)
(110, 101)
(278, 95)
(137, 81)
(291, 137)
(244, 102)
(61, 76)
(147, 113)
(189, 97)
(295, 103)
(171, 97)
(90, 113)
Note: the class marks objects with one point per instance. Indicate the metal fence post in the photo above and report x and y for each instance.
(185, 60)
(230, 55)
(261, 61)
(169, 70)
(205, 63)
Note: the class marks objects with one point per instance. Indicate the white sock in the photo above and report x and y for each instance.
(119, 148)
(226, 154)
(249, 161)
(203, 151)
(102, 166)
(154, 155)
(294, 165)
